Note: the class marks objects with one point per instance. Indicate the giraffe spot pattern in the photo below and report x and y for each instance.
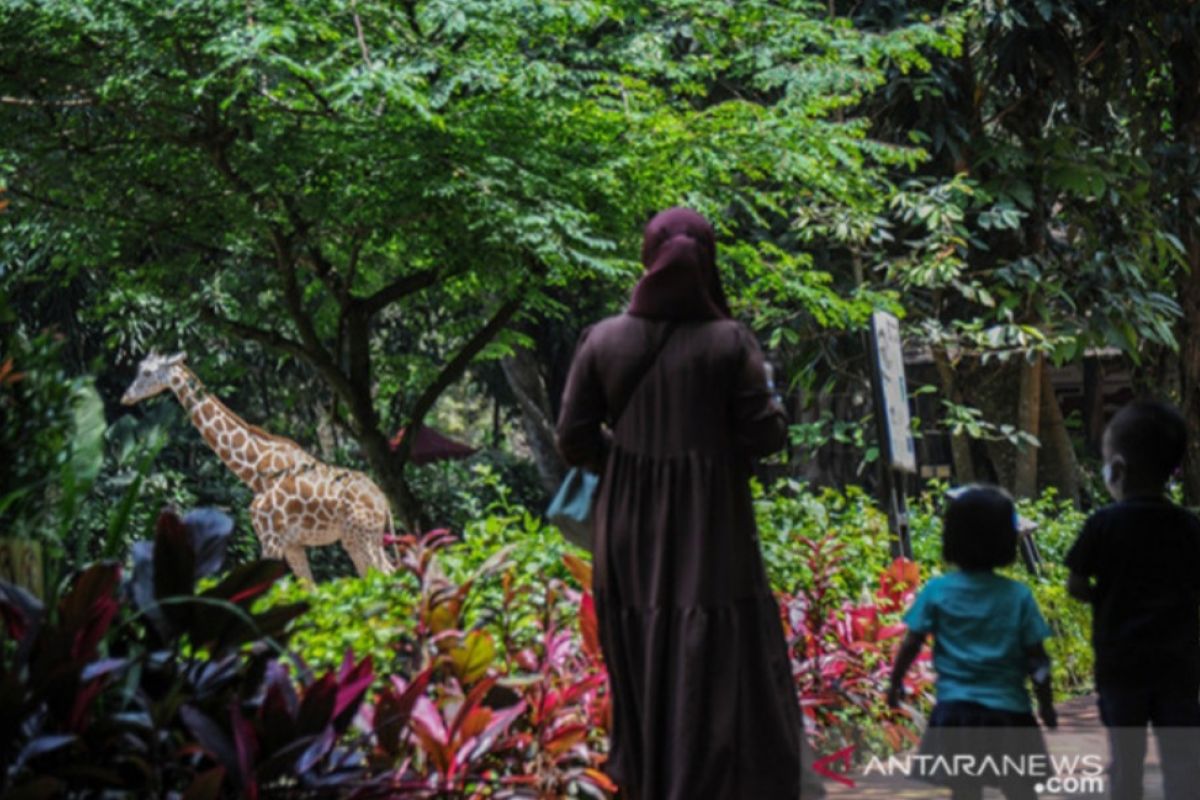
(298, 500)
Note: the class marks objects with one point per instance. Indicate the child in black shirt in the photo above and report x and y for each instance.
(1137, 562)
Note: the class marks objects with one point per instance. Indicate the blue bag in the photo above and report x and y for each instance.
(572, 508)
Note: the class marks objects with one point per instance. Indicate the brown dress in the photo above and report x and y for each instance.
(704, 707)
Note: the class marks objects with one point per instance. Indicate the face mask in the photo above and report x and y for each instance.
(1108, 475)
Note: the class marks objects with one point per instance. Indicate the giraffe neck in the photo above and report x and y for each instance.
(248, 455)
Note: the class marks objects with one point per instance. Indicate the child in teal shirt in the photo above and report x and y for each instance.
(987, 640)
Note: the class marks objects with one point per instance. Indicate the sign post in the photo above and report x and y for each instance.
(897, 454)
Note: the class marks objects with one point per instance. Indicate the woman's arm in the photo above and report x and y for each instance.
(910, 648)
(759, 420)
(582, 441)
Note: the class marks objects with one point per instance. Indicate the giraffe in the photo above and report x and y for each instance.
(298, 500)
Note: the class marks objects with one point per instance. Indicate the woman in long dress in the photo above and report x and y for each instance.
(704, 707)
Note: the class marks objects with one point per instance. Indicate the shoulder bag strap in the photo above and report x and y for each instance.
(645, 370)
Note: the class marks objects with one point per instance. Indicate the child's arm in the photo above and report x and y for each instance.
(1039, 670)
(910, 648)
(1079, 587)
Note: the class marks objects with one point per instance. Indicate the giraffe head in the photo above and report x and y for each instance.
(153, 376)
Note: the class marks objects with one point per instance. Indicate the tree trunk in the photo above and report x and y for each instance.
(994, 389)
(960, 444)
(389, 472)
(1059, 466)
(525, 380)
(1029, 405)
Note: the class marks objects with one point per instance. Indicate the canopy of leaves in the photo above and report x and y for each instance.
(302, 175)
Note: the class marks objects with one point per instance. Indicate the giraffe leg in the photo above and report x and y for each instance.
(359, 555)
(298, 561)
(378, 550)
(260, 520)
(380, 557)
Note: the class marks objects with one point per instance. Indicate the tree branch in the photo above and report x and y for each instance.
(39, 103)
(267, 338)
(362, 38)
(357, 329)
(454, 370)
(276, 341)
(398, 289)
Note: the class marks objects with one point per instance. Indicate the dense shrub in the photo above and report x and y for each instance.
(826, 555)
(492, 675)
(150, 687)
(154, 687)
(475, 670)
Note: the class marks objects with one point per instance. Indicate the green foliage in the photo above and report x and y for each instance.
(377, 615)
(368, 616)
(380, 189)
(52, 440)
(791, 510)
(456, 493)
(52, 426)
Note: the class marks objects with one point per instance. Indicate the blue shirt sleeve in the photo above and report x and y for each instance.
(920, 617)
(1033, 625)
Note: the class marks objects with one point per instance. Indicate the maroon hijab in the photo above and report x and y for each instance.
(681, 282)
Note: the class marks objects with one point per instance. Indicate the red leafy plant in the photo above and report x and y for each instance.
(842, 653)
(478, 721)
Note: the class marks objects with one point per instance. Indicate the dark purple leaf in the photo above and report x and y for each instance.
(246, 582)
(354, 684)
(22, 612)
(209, 531)
(210, 737)
(40, 746)
(316, 751)
(496, 728)
(86, 611)
(277, 713)
(395, 708)
(246, 743)
(104, 666)
(141, 588)
(213, 676)
(316, 708)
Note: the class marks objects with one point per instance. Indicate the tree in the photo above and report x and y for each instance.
(379, 190)
(1050, 233)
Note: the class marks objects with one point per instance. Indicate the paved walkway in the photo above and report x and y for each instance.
(1079, 732)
